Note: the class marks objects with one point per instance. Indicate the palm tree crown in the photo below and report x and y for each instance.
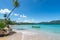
(15, 3)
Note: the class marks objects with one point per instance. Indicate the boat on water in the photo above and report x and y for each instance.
(35, 26)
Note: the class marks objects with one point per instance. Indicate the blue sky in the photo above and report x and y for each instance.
(32, 10)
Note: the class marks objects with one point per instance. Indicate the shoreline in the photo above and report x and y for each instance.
(34, 35)
(31, 35)
(41, 31)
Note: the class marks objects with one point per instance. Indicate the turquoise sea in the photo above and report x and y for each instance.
(53, 28)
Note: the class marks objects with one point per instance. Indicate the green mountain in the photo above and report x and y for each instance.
(51, 22)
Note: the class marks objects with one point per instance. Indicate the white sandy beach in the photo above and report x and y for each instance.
(32, 35)
(39, 36)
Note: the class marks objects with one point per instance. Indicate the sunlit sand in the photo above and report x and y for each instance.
(31, 35)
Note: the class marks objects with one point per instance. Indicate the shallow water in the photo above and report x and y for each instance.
(46, 28)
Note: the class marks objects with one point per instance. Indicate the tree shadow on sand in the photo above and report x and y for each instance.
(11, 33)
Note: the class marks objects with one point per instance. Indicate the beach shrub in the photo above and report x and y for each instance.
(2, 25)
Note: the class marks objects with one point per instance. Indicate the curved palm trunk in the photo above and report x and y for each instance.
(16, 4)
(11, 12)
(7, 24)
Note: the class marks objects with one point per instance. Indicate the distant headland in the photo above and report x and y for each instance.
(27, 23)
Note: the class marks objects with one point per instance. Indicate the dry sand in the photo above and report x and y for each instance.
(4, 38)
(16, 36)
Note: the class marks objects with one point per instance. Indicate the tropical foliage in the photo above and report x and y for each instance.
(2, 25)
(7, 21)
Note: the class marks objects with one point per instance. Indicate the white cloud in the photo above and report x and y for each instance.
(25, 20)
(23, 16)
(16, 14)
(4, 11)
(29, 21)
(19, 15)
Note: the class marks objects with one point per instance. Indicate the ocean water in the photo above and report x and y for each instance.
(48, 28)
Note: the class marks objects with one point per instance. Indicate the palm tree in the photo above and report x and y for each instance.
(16, 4)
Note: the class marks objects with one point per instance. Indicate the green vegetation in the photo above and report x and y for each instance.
(2, 25)
(51, 22)
(21, 23)
(9, 21)
(6, 16)
(16, 5)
